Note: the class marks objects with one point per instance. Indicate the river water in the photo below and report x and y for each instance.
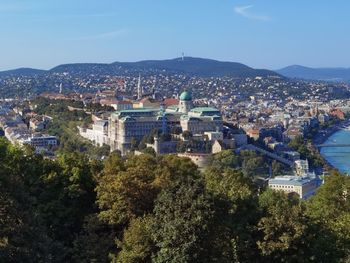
(339, 157)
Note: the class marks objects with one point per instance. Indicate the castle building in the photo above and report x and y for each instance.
(185, 104)
(126, 125)
(201, 120)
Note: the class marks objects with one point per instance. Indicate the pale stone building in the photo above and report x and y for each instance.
(40, 141)
(304, 183)
(98, 134)
(201, 120)
(303, 186)
(126, 125)
(301, 167)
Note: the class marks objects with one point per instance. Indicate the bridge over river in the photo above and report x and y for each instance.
(333, 145)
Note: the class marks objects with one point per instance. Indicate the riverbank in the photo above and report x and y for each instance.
(323, 134)
(338, 157)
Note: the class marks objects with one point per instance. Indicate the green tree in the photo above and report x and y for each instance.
(126, 191)
(283, 228)
(22, 237)
(95, 242)
(254, 166)
(296, 142)
(68, 196)
(150, 151)
(236, 214)
(329, 209)
(306, 151)
(181, 147)
(137, 244)
(172, 169)
(225, 159)
(182, 217)
(61, 194)
(277, 168)
(134, 144)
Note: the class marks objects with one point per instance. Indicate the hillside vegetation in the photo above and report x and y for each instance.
(161, 209)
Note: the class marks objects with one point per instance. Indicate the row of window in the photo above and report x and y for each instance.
(282, 186)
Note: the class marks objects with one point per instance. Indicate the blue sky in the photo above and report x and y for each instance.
(259, 33)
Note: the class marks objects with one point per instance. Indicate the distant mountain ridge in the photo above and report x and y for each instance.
(22, 72)
(326, 74)
(189, 65)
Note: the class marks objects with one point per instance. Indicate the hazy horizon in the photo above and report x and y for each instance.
(97, 62)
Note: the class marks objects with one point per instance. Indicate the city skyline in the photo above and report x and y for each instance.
(42, 34)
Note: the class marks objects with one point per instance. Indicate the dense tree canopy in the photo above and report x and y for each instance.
(162, 209)
(282, 226)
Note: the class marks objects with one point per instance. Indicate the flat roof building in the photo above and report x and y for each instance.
(303, 186)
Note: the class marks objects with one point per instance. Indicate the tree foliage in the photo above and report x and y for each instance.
(283, 227)
(183, 214)
(162, 209)
(137, 243)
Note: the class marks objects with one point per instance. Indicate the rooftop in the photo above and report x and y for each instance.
(138, 110)
(186, 95)
(291, 180)
(204, 109)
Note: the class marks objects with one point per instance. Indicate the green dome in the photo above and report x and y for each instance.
(186, 95)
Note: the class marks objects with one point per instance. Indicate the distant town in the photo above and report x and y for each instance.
(190, 116)
(174, 131)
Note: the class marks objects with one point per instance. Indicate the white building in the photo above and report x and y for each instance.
(201, 120)
(303, 186)
(40, 141)
(304, 183)
(98, 134)
(301, 167)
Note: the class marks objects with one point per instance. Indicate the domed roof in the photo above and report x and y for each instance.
(186, 95)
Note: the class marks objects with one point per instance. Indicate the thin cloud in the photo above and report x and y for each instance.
(93, 15)
(12, 8)
(105, 35)
(244, 11)
(57, 17)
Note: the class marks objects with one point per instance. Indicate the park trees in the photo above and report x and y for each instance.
(329, 210)
(282, 227)
(161, 209)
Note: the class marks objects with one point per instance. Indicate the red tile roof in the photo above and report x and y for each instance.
(170, 101)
